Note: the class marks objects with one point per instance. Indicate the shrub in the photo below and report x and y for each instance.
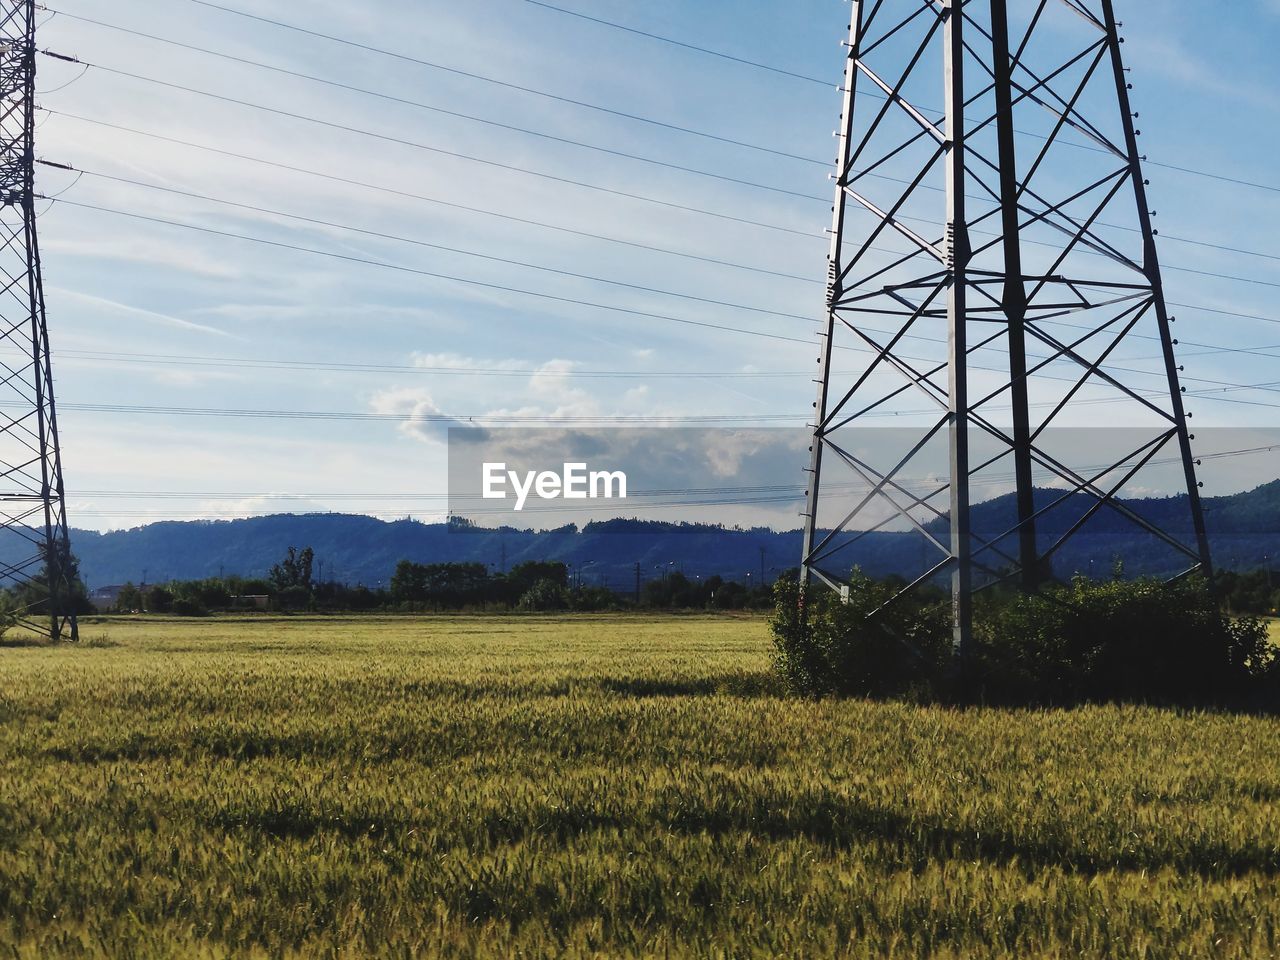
(1141, 640)
(186, 607)
(157, 600)
(871, 645)
(545, 595)
(590, 599)
(297, 597)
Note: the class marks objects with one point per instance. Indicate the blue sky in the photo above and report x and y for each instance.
(1205, 82)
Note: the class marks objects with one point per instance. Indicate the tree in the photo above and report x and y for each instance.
(158, 600)
(57, 586)
(409, 582)
(524, 576)
(128, 599)
(293, 572)
(545, 594)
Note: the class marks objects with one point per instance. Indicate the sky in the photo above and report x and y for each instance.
(144, 314)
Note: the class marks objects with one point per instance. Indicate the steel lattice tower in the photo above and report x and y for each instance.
(992, 279)
(33, 511)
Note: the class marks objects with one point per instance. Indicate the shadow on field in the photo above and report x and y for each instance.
(19, 642)
(758, 684)
(896, 837)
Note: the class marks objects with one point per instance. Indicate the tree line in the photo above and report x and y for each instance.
(537, 585)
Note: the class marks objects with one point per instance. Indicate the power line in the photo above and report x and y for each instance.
(539, 295)
(380, 368)
(536, 133)
(688, 46)
(381, 51)
(581, 233)
(367, 261)
(533, 266)
(503, 83)
(416, 145)
(469, 371)
(506, 261)
(660, 499)
(596, 187)
(391, 191)
(454, 419)
(751, 489)
(501, 418)
(779, 70)
(417, 104)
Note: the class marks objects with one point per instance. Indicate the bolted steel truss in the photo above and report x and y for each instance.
(38, 572)
(993, 290)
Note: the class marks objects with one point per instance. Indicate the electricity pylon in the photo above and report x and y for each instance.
(992, 284)
(33, 516)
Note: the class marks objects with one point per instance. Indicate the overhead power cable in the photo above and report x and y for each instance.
(380, 51)
(366, 261)
(506, 261)
(1215, 348)
(570, 181)
(534, 266)
(1238, 181)
(257, 363)
(543, 134)
(417, 104)
(416, 145)
(409, 195)
(495, 418)
(459, 419)
(688, 46)
(648, 199)
(796, 489)
(483, 284)
(258, 209)
(249, 363)
(405, 58)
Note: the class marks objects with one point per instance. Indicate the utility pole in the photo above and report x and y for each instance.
(31, 485)
(637, 583)
(974, 297)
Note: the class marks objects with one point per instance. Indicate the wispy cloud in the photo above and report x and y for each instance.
(149, 316)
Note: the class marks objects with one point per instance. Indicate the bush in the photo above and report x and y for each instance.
(1133, 640)
(293, 598)
(591, 599)
(1141, 640)
(186, 607)
(157, 600)
(865, 647)
(545, 595)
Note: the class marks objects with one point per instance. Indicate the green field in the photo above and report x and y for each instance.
(597, 786)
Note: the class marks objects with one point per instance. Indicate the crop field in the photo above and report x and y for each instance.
(605, 786)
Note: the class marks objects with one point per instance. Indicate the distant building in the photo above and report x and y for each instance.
(104, 598)
(251, 601)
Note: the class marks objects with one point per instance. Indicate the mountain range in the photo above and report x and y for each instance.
(1244, 533)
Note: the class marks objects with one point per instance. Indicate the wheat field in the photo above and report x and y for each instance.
(606, 786)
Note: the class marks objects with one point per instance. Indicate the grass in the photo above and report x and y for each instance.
(597, 787)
